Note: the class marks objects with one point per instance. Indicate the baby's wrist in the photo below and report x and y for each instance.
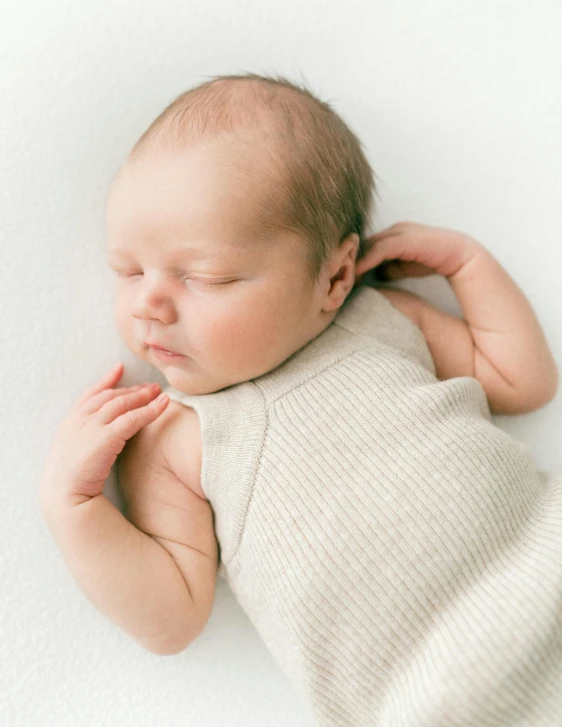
(56, 506)
(471, 249)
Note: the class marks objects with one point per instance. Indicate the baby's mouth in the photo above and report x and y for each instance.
(160, 352)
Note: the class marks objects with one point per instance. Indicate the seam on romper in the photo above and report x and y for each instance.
(266, 430)
(254, 480)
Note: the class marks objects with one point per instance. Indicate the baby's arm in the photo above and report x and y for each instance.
(499, 342)
(161, 597)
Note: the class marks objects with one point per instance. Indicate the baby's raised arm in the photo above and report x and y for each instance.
(160, 593)
(499, 342)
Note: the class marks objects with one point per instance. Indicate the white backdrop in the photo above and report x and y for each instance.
(460, 108)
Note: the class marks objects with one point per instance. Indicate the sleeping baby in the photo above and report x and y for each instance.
(325, 445)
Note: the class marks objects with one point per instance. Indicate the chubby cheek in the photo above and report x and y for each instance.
(247, 342)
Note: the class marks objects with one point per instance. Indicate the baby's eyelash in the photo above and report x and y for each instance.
(209, 284)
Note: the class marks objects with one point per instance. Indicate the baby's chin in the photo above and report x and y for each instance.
(194, 380)
(197, 386)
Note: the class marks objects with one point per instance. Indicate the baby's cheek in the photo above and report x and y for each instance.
(243, 340)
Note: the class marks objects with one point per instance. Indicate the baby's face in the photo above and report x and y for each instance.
(196, 275)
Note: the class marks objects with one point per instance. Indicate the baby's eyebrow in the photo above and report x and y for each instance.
(181, 259)
(187, 252)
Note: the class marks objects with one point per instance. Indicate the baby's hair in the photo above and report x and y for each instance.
(318, 181)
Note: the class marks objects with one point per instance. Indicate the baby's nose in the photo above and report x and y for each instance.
(151, 305)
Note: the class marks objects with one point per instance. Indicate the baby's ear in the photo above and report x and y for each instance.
(342, 272)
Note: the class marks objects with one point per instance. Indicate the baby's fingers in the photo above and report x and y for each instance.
(107, 381)
(374, 257)
(118, 405)
(406, 249)
(95, 403)
(128, 414)
(398, 228)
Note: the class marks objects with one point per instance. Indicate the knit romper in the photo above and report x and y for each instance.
(399, 554)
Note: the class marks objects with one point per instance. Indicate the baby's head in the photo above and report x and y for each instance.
(233, 226)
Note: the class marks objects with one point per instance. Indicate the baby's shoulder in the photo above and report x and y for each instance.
(180, 444)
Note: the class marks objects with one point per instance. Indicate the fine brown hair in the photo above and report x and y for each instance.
(316, 178)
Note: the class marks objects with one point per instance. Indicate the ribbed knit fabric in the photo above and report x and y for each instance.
(399, 554)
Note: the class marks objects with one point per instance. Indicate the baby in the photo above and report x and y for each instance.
(329, 445)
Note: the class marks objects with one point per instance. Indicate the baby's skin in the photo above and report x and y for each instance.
(197, 276)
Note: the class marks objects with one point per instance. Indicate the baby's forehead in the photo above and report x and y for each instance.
(141, 216)
(250, 153)
(235, 175)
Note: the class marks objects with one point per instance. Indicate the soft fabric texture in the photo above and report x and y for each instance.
(399, 554)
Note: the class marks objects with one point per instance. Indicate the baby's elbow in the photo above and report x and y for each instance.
(549, 388)
(539, 396)
(555, 383)
(171, 644)
(166, 649)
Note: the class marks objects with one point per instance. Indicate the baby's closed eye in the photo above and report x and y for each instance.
(211, 282)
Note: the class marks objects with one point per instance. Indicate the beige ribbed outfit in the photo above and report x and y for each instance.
(399, 554)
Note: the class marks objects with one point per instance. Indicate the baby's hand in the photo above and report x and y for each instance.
(409, 249)
(88, 441)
